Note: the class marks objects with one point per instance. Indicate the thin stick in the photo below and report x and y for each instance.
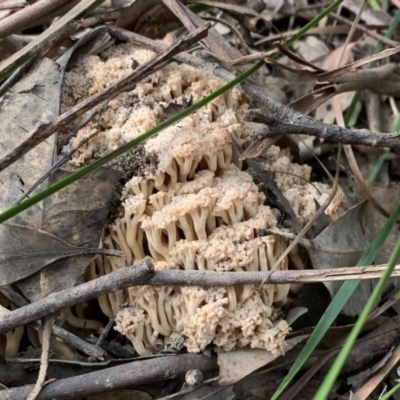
(35, 45)
(77, 294)
(132, 374)
(7, 4)
(271, 185)
(68, 337)
(57, 165)
(296, 122)
(369, 32)
(144, 274)
(18, 20)
(105, 332)
(44, 360)
(46, 129)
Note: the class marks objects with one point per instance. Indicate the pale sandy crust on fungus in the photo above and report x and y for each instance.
(194, 210)
(207, 224)
(294, 180)
(131, 114)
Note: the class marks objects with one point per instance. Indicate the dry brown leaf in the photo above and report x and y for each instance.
(11, 45)
(311, 48)
(92, 42)
(341, 244)
(324, 111)
(366, 390)
(281, 47)
(344, 56)
(327, 76)
(382, 80)
(25, 251)
(368, 15)
(235, 365)
(76, 214)
(33, 99)
(388, 197)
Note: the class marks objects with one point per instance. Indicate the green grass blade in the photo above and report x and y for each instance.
(381, 159)
(390, 393)
(348, 287)
(85, 13)
(340, 299)
(378, 165)
(374, 4)
(354, 109)
(5, 75)
(11, 212)
(336, 367)
(351, 118)
(313, 22)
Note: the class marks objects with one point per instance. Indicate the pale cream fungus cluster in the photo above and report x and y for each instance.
(195, 210)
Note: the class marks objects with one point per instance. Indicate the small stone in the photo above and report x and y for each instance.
(194, 377)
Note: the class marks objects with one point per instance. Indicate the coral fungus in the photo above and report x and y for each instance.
(194, 209)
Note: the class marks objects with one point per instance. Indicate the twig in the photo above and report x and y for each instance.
(105, 331)
(76, 342)
(44, 360)
(311, 222)
(144, 274)
(15, 76)
(77, 294)
(59, 29)
(57, 165)
(46, 129)
(214, 42)
(369, 32)
(122, 376)
(18, 20)
(302, 124)
(271, 185)
(233, 29)
(7, 4)
(68, 337)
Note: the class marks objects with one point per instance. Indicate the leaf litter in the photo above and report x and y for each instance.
(56, 235)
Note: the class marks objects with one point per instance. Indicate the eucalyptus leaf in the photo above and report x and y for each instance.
(73, 219)
(26, 250)
(235, 365)
(340, 245)
(76, 214)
